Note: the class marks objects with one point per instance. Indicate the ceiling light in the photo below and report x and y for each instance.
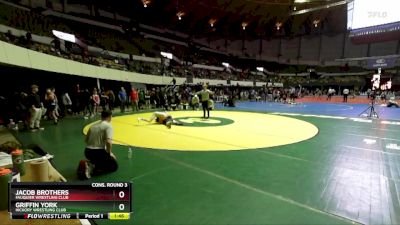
(303, 11)
(316, 22)
(244, 25)
(212, 22)
(180, 14)
(167, 55)
(64, 36)
(146, 3)
(278, 25)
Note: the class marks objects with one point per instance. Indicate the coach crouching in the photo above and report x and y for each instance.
(98, 140)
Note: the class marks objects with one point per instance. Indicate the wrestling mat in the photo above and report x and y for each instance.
(223, 131)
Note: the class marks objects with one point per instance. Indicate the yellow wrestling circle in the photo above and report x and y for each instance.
(225, 131)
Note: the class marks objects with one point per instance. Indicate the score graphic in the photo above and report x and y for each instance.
(70, 200)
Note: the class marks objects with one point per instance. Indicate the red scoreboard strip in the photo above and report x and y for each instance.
(108, 200)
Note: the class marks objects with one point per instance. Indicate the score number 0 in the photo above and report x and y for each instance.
(121, 195)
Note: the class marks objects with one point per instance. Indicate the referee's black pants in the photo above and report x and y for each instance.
(204, 104)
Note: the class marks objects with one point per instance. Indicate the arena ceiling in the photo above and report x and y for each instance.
(228, 17)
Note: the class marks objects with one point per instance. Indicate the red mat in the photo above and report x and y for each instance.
(335, 99)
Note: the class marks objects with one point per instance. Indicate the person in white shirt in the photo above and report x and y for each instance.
(66, 104)
(98, 149)
(345, 94)
(331, 92)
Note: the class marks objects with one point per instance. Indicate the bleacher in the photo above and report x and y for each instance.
(119, 49)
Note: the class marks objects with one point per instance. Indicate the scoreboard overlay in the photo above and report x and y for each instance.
(100, 200)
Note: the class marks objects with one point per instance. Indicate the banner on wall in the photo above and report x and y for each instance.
(381, 63)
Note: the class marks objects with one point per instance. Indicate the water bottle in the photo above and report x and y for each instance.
(129, 153)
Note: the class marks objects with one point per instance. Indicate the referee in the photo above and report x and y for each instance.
(205, 97)
(98, 148)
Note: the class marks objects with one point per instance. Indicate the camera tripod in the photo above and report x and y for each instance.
(370, 111)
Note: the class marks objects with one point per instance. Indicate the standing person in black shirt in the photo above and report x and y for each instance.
(111, 99)
(35, 109)
(77, 100)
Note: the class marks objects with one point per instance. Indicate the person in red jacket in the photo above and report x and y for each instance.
(134, 99)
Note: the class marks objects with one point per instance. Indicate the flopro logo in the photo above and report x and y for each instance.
(201, 122)
(377, 14)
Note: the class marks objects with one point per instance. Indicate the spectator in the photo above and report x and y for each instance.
(87, 103)
(10, 37)
(195, 102)
(67, 104)
(104, 100)
(111, 99)
(345, 94)
(147, 99)
(28, 37)
(56, 45)
(134, 99)
(57, 111)
(122, 98)
(95, 101)
(36, 111)
(77, 100)
(141, 98)
(331, 92)
(51, 105)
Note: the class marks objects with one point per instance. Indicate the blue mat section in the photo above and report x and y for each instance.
(332, 109)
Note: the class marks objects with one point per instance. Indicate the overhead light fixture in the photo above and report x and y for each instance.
(303, 11)
(225, 64)
(146, 3)
(260, 69)
(212, 22)
(180, 14)
(316, 22)
(244, 25)
(167, 55)
(278, 25)
(64, 36)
